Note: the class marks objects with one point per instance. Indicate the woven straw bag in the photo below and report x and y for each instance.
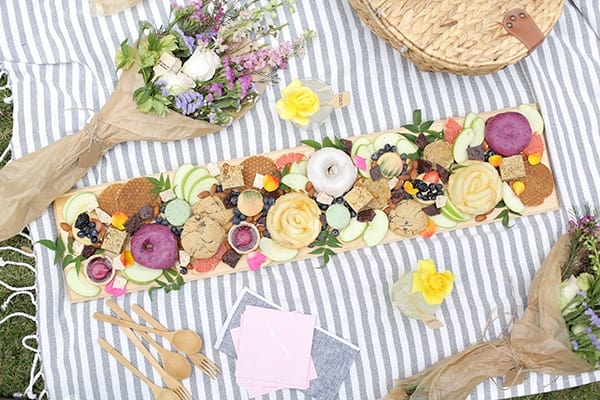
(471, 37)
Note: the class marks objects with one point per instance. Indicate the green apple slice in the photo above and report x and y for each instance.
(403, 145)
(181, 173)
(461, 144)
(141, 275)
(365, 151)
(533, 116)
(469, 120)
(357, 143)
(478, 127)
(276, 252)
(390, 138)
(80, 285)
(295, 182)
(377, 229)
(299, 167)
(443, 221)
(191, 179)
(77, 204)
(511, 200)
(353, 231)
(203, 185)
(450, 211)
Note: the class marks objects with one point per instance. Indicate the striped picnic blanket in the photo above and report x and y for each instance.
(60, 60)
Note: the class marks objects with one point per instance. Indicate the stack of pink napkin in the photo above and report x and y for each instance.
(273, 350)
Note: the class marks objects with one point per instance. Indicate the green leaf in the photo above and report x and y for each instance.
(180, 280)
(67, 260)
(311, 143)
(152, 290)
(425, 126)
(435, 134)
(409, 136)
(161, 284)
(153, 181)
(318, 250)
(78, 261)
(500, 204)
(60, 250)
(47, 243)
(70, 245)
(327, 142)
(412, 128)
(417, 117)
(338, 143)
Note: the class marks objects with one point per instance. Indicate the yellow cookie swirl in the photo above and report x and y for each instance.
(476, 188)
(294, 220)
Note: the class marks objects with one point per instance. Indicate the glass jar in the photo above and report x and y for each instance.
(412, 305)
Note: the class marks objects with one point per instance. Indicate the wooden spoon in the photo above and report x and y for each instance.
(184, 340)
(159, 392)
(175, 364)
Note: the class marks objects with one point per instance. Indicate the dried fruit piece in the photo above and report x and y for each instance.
(536, 145)
(118, 220)
(495, 160)
(534, 159)
(518, 187)
(271, 183)
(451, 130)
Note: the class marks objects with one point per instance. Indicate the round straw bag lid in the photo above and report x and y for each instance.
(464, 37)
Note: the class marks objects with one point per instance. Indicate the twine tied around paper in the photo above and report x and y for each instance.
(96, 147)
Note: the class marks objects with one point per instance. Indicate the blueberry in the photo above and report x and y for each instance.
(183, 270)
(387, 147)
(271, 201)
(266, 234)
(339, 200)
(403, 156)
(243, 217)
(234, 200)
(94, 239)
(235, 220)
(165, 222)
(380, 152)
(81, 234)
(162, 208)
(323, 206)
(158, 219)
(311, 245)
(219, 188)
(393, 149)
(432, 186)
(439, 186)
(321, 236)
(335, 232)
(420, 196)
(375, 157)
(352, 213)
(407, 196)
(91, 224)
(236, 212)
(94, 231)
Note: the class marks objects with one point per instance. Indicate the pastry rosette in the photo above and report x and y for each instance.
(294, 220)
(475, 188)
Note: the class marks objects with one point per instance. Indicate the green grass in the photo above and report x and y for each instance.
(15, 361)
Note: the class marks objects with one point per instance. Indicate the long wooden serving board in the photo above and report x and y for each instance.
(551, 203)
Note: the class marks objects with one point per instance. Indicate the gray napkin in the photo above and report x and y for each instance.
(332, 356)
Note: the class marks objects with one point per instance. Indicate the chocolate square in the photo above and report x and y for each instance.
(476, 152)
(231, 258)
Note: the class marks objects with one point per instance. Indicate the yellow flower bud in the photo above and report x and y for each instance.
(434, 286)
(298, 103)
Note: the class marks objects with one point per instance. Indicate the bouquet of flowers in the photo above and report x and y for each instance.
(558, 334)
(204, 64)
(580, 289)
(207, 64)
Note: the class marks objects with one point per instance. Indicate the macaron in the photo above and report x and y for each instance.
(178, 211)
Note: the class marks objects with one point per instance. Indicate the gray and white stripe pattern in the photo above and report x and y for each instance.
(60, 63)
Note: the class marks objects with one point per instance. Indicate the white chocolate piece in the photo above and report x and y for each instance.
(392, 182)
(92, 204)
(258, 181)
(117, 263)
(167, 195)
(119, 282)
(184, 258)
(103, 216)
(440, 201)
(213, 169)
(324, 198)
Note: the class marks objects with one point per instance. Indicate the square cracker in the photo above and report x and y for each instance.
(512, 168)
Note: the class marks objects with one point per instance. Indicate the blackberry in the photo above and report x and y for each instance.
(82, 220)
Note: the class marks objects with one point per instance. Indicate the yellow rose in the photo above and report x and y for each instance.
(432, 284)
(298, 103)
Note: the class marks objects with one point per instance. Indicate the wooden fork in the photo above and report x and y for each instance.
(160, 393)
(205, 364)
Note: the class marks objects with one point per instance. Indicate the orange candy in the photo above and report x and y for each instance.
(518, 187)
(127, 258)
(430, 230)
(270, 183)
(495, 160)
(534, 159)
(118, 220)
(409, 188)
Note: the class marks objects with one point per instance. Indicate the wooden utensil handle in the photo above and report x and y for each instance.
(125, 362)
(147, 317)
(121, 313)
(127, 324)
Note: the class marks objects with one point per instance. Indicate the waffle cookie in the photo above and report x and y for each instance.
(257, 165)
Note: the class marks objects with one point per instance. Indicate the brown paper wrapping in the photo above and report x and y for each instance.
(29, 184)
(101, 8)
(539, 342)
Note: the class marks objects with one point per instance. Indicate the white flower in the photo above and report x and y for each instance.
(584, 281)
(568, 291)
(201, 66)
(177, 83)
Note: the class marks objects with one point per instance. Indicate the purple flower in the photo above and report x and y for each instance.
(188, 102)
(216, 89)
(245, 84)
(211, 117)
(163, 87)
(582, 294)
(189, 41)
(594, 341)
(575, 344)
(594, 319)
(588, 330)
